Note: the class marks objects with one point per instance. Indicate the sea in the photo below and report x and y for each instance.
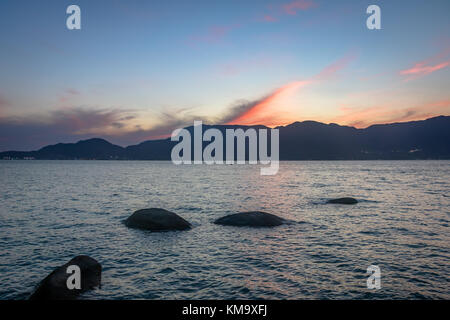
(52, 211)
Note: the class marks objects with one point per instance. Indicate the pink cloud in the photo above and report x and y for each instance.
(292, 7)
(428, 66)
(420, 69)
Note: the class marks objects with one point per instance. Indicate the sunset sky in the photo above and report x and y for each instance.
(139, 69)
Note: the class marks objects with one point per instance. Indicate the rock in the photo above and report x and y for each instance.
(343, 201)
(250, 219)
(54, 286)
(156, 219)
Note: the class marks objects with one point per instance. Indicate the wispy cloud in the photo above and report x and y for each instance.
(421, 69)
(276, 12)
(428, 66)
(262, 111)
(291, 8)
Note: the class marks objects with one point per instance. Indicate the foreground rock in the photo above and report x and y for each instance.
(250, 219)
(54, 286)
(343, 201)
(156, 219)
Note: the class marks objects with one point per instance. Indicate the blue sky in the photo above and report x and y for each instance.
(138, 69)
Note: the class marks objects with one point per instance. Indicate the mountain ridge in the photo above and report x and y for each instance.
(305, 140)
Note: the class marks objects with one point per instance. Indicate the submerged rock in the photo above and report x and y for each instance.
(250, 219)
(156, 219)
(343, 201)
(54, 286)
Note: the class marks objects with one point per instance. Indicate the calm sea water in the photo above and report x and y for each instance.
(52, 211)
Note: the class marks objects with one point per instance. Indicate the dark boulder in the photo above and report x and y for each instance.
(343, 201)
(54, 286)
(156, 219)
(250, 219)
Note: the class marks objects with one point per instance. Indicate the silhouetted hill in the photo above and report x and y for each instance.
(85, 149)
(307, 140)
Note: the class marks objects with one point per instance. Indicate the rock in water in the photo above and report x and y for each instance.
(156, 219)
(251, 219)
(343, 201)
(54, 286)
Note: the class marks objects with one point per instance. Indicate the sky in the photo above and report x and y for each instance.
(137, 70)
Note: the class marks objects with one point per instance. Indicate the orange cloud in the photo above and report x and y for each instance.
(259, 113)
(262, 111)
